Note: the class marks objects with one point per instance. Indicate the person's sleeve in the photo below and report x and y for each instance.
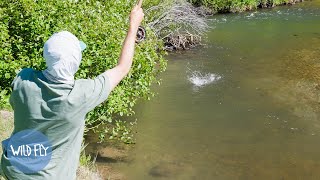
(98, 92)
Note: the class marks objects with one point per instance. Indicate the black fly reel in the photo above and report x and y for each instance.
(141, 34)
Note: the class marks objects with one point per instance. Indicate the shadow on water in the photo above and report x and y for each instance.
(245, 106)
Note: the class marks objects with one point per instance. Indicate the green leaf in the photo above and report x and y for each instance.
(7, 76)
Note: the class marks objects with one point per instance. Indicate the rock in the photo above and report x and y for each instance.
(167, 169)
(111, 154)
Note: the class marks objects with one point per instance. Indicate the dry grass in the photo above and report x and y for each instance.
(86, 173)
(87, 169)
(6, 127)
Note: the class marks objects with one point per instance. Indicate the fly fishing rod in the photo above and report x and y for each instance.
(141, 33)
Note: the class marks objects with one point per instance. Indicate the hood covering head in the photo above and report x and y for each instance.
(62, 53)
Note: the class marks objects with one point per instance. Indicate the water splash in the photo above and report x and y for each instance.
(251, 15)
(200, 79)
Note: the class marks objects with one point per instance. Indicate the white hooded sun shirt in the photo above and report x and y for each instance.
(62, 53)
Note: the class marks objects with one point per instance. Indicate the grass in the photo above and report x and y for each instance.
(6, 126)
(86, 170)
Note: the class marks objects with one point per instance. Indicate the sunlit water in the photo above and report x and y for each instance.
(245, 106)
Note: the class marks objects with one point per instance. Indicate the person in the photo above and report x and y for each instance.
(51, 105)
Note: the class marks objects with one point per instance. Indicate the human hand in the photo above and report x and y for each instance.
(136, 17)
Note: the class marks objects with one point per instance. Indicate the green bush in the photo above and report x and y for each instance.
(26, 24)
(6, 69)
(235, 5)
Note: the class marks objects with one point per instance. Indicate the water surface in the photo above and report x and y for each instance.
(245, 106)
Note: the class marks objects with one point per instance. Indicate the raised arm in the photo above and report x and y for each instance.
(117, 73)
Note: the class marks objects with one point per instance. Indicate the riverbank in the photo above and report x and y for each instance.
(182, 24)
(217, 6)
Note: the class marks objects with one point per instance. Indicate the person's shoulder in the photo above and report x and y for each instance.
(82, 89)
(25, 71)
(81, 82)
(23, 74)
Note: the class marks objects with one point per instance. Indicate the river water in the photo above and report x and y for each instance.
(244, 106)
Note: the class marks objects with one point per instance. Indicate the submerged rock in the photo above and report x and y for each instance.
(168, 169)
(112, 154)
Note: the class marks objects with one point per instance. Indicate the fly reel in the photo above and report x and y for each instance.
(141, 34)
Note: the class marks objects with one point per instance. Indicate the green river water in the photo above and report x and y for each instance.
(244, 106)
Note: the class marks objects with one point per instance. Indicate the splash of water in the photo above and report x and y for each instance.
(251, 15)
(200, 79)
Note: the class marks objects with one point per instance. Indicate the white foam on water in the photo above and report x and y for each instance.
(251, 15)
(200, 79)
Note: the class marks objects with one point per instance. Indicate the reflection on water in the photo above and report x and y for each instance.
(256, 115)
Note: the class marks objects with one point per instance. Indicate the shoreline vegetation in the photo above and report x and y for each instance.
(187, 18)
(171, 25)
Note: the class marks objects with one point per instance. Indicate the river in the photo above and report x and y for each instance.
(246, 105)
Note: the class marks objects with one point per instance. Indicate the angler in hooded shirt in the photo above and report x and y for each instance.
(51, 105)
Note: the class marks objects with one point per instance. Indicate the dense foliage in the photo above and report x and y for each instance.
(237, 5)
(26, 24)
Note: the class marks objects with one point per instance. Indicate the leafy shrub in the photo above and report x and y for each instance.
(236, 5)
(26, 25)
(6, 70)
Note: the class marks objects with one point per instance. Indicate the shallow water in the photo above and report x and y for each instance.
(245, 106)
